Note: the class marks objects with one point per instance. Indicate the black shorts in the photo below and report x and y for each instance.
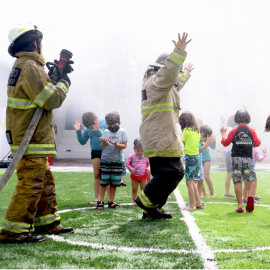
(95, 154)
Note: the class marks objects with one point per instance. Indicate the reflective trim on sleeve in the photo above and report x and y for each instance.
(16, 227)
(183, 76)
(45, 220)
(165, 107)
(62, 86)
(36, 149)
(176, 57)
(44, 95)
(145, 201)
(164, 153)
(20, 103)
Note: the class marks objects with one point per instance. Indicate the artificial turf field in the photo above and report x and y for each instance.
(119, 238)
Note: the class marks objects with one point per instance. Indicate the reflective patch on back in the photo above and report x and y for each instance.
(13, 76)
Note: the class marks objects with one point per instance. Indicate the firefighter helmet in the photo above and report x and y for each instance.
(22, 33)
(160, 62)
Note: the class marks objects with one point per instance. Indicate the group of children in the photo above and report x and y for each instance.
(108, 141)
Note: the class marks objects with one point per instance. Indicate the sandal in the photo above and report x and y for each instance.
(113, 205)
(100, 206)
(94, 202)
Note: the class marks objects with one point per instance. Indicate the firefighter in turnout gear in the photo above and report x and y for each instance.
(33, 204)
(159, 130)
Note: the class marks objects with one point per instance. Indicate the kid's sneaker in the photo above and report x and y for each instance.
(250, 204)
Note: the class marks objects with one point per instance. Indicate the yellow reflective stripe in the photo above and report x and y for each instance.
(16, 227)
(32, 145)
(163, 153)
(20, 103)
(164, 107)
(183, 76)
(45, 220)
(145, 201)
(12, 223)
(41, 149)
(44, 95)
(176, 57)
(62, 86)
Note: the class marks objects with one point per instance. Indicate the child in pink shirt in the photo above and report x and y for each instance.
(256, 156)
(139, 167)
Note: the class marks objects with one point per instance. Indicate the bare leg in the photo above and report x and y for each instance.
(112, 193)
(102, 191)
(108, 192)
(196, 195)
(245, 190)
(190, 187)
(134, 185)
(200, 188)
(96, 167)
(206, 167)
(252, 188)
(227, 182)
(203, 191)
(143, 184)
(238, 193)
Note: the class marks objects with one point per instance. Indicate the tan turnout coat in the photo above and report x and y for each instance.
(160, 107)
(30, 86)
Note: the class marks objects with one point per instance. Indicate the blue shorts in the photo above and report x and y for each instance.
(192, 165)
(243, 169)
(228, 161)
(200, 175)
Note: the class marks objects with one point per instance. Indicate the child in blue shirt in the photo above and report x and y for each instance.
(93, 129)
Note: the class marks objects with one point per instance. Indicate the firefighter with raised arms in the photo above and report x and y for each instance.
(159, 130)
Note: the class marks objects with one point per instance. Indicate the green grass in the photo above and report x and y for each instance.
(116, 227)
(222, 229)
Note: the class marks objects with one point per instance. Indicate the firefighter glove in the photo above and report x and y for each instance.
(68, 68)
(66, 78)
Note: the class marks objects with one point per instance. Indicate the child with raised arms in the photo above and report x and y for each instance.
(191, 138)
(139, 167)
(93, 129)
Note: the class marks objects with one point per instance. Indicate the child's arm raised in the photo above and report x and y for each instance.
(82, 137)
(209, 140)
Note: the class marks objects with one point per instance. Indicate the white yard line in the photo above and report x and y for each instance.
(120, 248)
(206, 253)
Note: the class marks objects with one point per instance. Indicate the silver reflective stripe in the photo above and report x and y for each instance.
(46, 219)
(16, 227)
(62, 86)
(41, 99)
(183, 76)
(20, 104)
(176, 57)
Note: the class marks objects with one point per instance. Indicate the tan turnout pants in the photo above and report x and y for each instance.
(33, 203)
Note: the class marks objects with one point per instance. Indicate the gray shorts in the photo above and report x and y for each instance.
(228, 161)
(243, 169)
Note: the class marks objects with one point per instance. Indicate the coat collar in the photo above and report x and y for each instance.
(34, 56)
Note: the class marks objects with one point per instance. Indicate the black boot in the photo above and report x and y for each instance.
(30, 239)
(66, 230)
